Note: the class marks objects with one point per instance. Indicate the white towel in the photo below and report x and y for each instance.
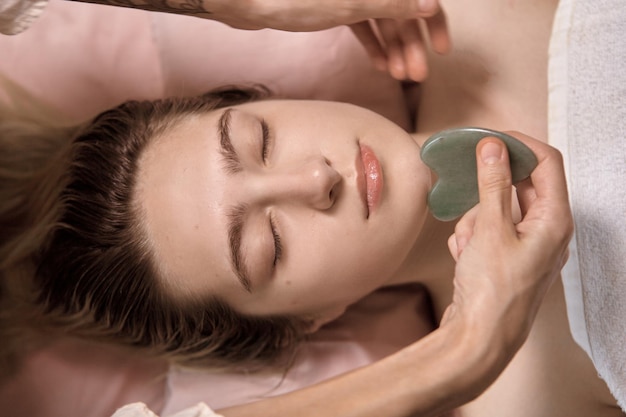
(587, 77)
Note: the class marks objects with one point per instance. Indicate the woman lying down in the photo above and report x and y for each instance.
(219, 230)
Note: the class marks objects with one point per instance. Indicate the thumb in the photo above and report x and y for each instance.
(494, 179)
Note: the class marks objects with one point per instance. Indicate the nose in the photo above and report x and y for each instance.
(314, 183)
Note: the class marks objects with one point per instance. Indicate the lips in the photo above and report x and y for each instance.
(369, 178)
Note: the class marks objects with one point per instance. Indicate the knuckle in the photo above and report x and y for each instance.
(462, 229)
(555, 155)
(557, 232)
(561, 227)
(569, 228)
(495, 180)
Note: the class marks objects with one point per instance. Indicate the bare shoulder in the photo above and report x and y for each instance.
(496, 73)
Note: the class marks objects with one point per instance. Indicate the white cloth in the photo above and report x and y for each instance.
(141, 410)
(587, 77)
(17, 15)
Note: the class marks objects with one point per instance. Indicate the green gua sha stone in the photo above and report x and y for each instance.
(452, 155)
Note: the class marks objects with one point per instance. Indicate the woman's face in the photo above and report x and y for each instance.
(283, 207)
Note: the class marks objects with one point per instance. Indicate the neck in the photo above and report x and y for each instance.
(429, 263)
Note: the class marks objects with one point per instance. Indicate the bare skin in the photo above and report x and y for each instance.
(494, 84)
(485, 81)
(301, 16)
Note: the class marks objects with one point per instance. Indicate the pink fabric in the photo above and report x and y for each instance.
(72, 378)
(372, 329)
(84, 58)
(329, 65)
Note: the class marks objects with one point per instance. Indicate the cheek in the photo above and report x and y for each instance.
(326, 267)
(343, 263)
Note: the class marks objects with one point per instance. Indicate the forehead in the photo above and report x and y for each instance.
(179, 190)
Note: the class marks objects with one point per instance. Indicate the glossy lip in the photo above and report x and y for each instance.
(369, 178)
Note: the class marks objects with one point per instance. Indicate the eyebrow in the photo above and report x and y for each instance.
(237, 258)
(237, 213)
(227, 150)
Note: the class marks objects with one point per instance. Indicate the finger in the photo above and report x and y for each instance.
(525, 195)
(516, 209)
(548, 178)
(549, 207)
(494, 181)
(448, 312)
(414, 50)
(438, 33)
(453, 248)
(464, 229)
(364, 32)
(388, 30)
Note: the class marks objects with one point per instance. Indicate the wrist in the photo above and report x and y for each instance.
(479, 351)
(448, 368)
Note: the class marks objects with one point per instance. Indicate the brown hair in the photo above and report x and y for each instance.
(75, 257)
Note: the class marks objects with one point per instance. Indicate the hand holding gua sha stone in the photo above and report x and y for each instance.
(452, 155)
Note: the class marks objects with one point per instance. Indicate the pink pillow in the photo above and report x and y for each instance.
(76, 378)
(375, 327)
(84, 58)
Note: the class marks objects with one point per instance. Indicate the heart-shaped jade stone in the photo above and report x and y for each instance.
(452, 155)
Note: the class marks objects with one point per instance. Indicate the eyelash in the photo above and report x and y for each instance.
(278, 247)
(266, 139)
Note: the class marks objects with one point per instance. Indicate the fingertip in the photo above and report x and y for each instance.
(417, 65)
(396, 67)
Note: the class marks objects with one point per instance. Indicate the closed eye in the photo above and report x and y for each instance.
(265, 140)
(278, 248)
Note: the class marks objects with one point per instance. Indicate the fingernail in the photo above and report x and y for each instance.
(491, 152)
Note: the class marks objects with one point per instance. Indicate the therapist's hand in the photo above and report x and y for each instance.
(390, 30)
(394, 33)
(312, 15)
(289, 15)
(503, 268)
(399, 46)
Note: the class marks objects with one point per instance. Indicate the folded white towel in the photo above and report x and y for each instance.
(142, 410)
(588, 124)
